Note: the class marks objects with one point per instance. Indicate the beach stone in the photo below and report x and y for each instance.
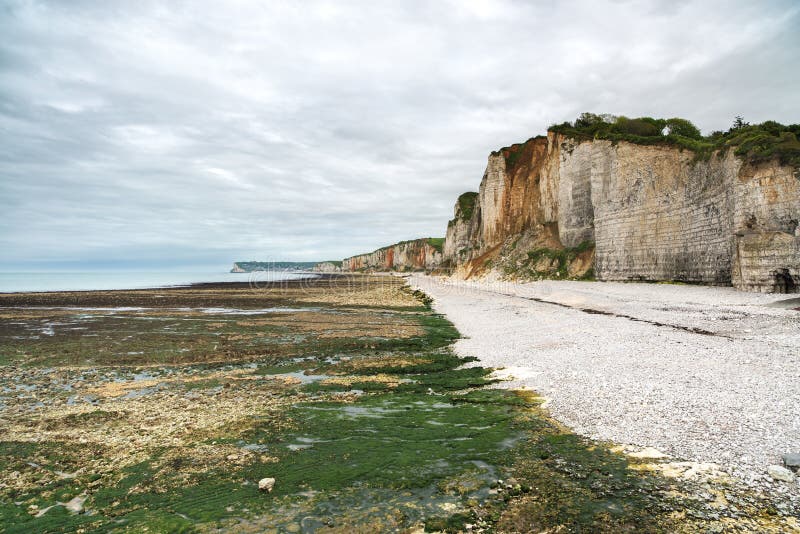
(648, 453)
(792, 460)
(75, 505)
(778, 472)
(266, 484)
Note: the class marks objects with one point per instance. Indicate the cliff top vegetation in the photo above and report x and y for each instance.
(466, 204)
(436, 242)
(754, 143)
(466, 207)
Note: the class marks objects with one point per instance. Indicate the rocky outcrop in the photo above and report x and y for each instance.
(328, 267)
(460, 231)
(764, 262)
(559, 207)
(416, 255)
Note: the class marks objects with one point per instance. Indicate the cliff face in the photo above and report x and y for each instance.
(460, 231)
(416, 255)
(561, 208)
(328, 267)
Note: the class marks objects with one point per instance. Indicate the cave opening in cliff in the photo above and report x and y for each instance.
(784, 282)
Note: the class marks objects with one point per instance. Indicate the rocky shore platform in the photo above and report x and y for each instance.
(332, 404)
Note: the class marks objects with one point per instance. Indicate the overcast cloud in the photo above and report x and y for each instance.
(169, 133)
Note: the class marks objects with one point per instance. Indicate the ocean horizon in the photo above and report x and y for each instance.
(43, 281)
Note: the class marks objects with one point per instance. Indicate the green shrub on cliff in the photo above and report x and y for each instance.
(683, 128)
(755, 143)
(466, 204)
(556, 264)
(436, 242)
(758, 144)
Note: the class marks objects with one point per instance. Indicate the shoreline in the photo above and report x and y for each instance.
(670, 367)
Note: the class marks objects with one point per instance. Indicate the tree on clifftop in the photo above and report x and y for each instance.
(739, 123)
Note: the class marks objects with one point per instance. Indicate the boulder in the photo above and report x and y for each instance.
(778, 472)
(75, 505)
(266, 484)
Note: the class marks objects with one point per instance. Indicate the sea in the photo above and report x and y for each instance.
(11, 282)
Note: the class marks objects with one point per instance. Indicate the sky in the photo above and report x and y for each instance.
(182, 134)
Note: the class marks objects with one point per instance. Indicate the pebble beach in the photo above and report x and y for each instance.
(703, 374)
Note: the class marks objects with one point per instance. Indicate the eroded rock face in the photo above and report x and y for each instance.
(416, 255)
(463, 228)
(651, 213)
(327, 267)
(767, 262)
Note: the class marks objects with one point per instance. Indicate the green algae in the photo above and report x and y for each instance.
(385, 441)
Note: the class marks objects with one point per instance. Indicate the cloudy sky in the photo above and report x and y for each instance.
(150, 134)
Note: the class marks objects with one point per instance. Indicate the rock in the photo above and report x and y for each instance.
(266, 484)
(778, 472)
(648, 453)
(75, 505)
(792, 460)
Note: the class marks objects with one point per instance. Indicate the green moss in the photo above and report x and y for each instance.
(203, 384)
(453, 523)
(453, 380)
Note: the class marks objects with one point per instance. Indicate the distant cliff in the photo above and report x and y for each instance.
(417, 255)
(333, 266)
(589, 202)
(254, 266)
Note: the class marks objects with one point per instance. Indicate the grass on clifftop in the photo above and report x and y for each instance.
(754, 143)
(436, 242)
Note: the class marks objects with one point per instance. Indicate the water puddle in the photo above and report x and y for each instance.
(299, 375)
(262, 311)
(138, 393)
(253, 447)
